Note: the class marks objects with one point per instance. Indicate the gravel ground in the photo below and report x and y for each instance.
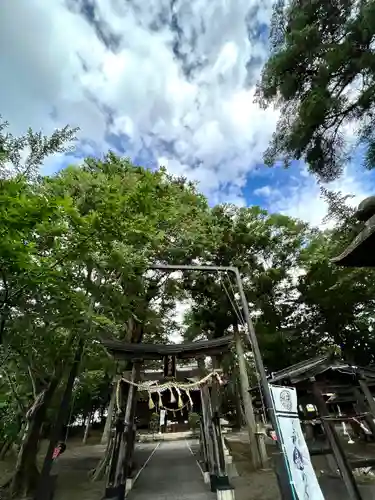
(73, 482)
(73, 469)
(262, 485)
(172, 473)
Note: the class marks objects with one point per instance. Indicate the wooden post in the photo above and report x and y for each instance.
(207, 423)
(213, 429)
(122, 467)
(203, 446)
(361, 400)
(108, 423)
(367, 393)
(334, 441)
(87, 427)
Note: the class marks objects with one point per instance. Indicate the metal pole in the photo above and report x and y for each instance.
(253, 341)
(287, 493)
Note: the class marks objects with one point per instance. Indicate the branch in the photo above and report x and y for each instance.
(4, 305)
(53, 266)
(6, 287)
(33, 383)
(37, 403)
(2, 327)
(21, 406)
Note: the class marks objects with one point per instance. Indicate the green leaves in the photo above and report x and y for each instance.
(266, 248)
(321, 74)
(22, 156)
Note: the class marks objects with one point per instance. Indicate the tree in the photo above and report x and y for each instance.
(29, 221)
(73, 257)
(336, 303)
(265, 248)
(321, 75)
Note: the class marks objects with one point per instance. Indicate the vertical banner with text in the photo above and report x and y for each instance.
(303, 475)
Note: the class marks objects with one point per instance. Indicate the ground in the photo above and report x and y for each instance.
(173, 473)
(263, 485)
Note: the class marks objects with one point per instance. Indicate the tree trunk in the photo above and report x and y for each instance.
(246, 398)
(61, 419)
(4, 448)
(108, 423)
(26, 474)
(87, 428)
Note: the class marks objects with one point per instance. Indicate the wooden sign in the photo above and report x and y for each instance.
(169, 366)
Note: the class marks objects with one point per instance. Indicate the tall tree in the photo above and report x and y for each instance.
(74, 257)
(30, 222)
(336, 303)
(321, 75)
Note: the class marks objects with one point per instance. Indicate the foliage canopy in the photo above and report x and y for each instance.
(321, 74)
(74, 255)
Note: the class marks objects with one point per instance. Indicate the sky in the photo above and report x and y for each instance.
(164, 82)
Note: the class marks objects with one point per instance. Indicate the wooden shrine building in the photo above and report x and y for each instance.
(176, 418)
(331, 392)
(345, 389)
(171, 390)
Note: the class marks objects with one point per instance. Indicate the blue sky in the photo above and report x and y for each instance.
(165, 82)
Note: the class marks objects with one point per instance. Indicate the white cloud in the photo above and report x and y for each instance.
(266, 191)
(177, 81)
(301, 198)
(178, 315)
(166, 82)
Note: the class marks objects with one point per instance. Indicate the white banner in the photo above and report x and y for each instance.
(303, 475)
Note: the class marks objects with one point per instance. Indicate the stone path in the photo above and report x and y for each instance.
(172, 473)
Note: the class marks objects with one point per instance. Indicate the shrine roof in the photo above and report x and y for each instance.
(316, 366)
(123, 350)
(361, 251)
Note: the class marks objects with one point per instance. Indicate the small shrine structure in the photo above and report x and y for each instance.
(361, 253)
(332, 392)
(177, 418)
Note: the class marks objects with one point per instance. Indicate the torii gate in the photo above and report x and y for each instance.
(119, 476)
